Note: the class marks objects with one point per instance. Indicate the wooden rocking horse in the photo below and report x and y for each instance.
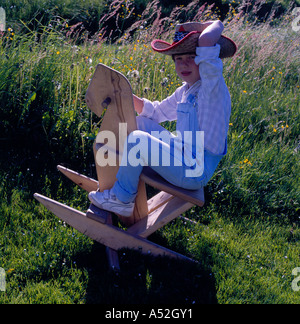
(109, 90)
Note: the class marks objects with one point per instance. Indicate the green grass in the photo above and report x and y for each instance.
(246, 237)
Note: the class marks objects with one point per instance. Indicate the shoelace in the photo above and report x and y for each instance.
(108, 195)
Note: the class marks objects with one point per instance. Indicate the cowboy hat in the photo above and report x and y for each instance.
(186, 41)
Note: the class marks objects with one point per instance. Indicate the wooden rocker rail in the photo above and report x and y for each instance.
(106, 234)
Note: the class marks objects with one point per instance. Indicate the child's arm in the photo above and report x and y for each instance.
(211, 34)
(159, 111)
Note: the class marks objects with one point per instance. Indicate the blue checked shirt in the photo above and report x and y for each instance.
(213, 101)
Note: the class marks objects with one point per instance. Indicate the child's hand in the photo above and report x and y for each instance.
(205, 25)
(138, 104)
(211, 33)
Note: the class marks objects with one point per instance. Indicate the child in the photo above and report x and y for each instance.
(201, 104)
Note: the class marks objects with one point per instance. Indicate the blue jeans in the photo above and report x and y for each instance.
(174, 171)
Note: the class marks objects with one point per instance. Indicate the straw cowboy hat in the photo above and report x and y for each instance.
(186, 41)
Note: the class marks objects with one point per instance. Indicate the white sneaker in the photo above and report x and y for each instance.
(108, 201)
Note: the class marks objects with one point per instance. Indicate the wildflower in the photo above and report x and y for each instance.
(58, 85)
(245, 91)
(58, 52)
(10, 270)
(164, 82)
(274, 130)
(246, 161)
(134, 74)
(230, 124)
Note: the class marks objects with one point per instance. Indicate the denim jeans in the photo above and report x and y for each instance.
(160, 155)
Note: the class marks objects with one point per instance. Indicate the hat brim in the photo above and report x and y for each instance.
(189, 43)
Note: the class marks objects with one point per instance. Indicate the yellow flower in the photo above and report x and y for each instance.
(246, 161)
(245, 91)
(230, 124)
(58, 52)
(10, 270)
(274, 130)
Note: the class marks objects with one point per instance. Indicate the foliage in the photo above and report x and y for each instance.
(89, 13)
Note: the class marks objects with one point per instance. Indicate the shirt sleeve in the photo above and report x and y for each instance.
(210, 66)
(214, 99)
(164, 110)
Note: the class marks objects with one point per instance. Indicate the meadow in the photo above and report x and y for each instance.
(246, 237)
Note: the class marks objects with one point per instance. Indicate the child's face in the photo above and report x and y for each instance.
(186, 68)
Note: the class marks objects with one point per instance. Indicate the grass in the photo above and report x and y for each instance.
(246, 237)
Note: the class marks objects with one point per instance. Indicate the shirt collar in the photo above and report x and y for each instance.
(191, 90)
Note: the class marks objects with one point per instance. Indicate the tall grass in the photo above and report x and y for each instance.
(247, 235)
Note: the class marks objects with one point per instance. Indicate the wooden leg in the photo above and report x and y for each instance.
(160, 217)
(105, 217)
(112, 255)
(159, 200)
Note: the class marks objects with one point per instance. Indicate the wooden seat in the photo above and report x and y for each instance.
(156, 181)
